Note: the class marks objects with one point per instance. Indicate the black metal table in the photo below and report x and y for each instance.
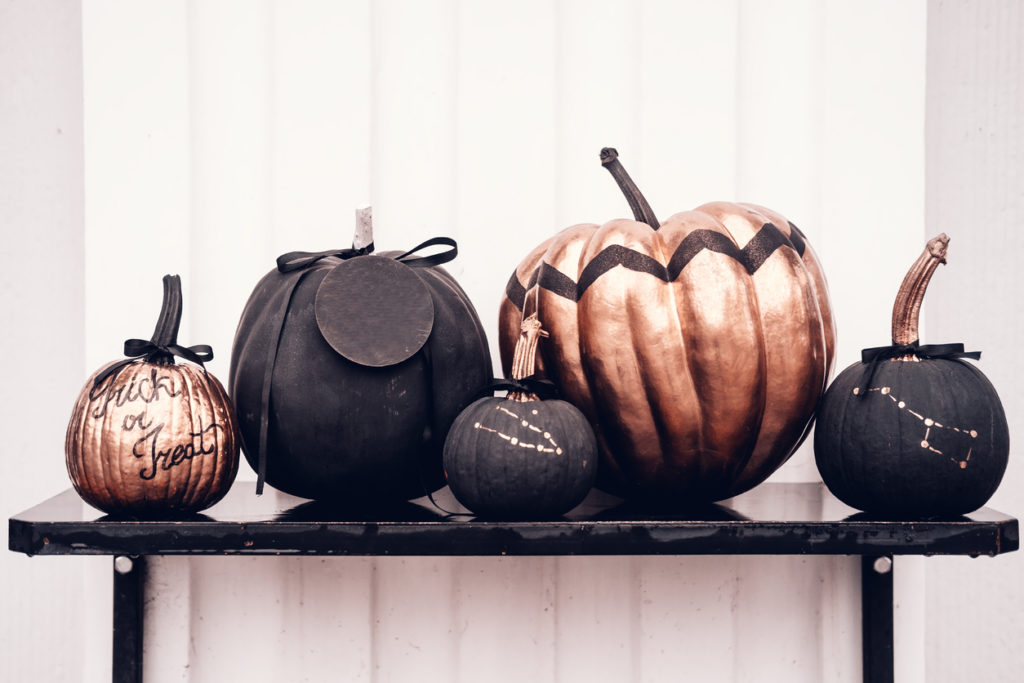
(773, 519)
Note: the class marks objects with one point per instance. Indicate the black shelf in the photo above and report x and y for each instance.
(772, 519)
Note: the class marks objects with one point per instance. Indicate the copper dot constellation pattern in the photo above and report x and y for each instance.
(515, 441)
(929, 424)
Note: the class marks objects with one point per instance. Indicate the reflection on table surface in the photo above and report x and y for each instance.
(770, 502)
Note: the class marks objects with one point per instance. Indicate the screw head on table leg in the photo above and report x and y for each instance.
(883, 565)
(123, 564)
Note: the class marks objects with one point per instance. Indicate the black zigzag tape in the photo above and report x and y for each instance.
(751, 257)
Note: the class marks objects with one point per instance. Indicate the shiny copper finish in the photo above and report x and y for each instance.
(154, 437)
(524, 358)
(698, 386)
(906, 310)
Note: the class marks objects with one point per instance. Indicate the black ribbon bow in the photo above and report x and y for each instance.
(544, 389)
(297, 260)
(948, 351)
(146, 350)
(875, 355)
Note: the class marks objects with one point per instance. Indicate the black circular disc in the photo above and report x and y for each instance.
(374, 311)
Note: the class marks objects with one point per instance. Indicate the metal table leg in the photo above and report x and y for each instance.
(877, 618)
(129, 586)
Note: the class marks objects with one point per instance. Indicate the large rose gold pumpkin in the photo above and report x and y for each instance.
(150, 436)
(698, 347)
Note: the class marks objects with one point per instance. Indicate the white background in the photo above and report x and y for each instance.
(205, 138)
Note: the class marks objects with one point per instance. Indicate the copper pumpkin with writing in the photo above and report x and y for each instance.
(698, 347)
(149, 436)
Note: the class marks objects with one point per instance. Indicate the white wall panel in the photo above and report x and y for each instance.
(505, 619)
(413, 155)
(597, 619)
(862, 183)
(598, 62)
(506, 144)
(320, 124)
(138, 172)
(43, 606)
(688, 108)
(229, 52)
(975, 174)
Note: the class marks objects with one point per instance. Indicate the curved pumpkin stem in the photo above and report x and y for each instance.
(167, 325)
(637, 202)
(906, 311)
(524, 360)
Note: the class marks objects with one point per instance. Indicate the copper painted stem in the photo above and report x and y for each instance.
(524, 360)
(906, 311)
(637, 202)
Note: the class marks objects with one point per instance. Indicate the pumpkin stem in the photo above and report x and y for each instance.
(524, 360)
(637, 202)
(906, 312)
(364, 228)
(166, 332)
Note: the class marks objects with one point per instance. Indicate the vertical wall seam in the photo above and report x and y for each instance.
(453, 224)
(738, 81)
(193, 144)
(374, 105)
(192, 585)
(558, 113)
(273, 122)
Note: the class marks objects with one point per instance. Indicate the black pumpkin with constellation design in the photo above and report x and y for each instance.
(912, 430)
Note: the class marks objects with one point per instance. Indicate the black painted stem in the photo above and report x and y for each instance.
(166, 332)
(637, 202)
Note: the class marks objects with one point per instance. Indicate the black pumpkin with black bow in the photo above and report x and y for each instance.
(349, 367)
(527, 455)
(912, 430)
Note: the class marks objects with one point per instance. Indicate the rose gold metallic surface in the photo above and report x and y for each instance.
(698, 362)
(524, 360)
(152, 438)
(906, 310)
(509, 316)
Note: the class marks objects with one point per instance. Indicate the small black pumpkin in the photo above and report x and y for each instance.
(912, 430)
(519, 456)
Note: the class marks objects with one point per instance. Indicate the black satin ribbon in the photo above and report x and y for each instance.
(874, 356)
(950, 351)
(145, 350)
(433, 259)
(298, 262)
(545, 389)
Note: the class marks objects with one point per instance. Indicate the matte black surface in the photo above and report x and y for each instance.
(129, 587)
(374, 311)
(876, 599)
(770, 520)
